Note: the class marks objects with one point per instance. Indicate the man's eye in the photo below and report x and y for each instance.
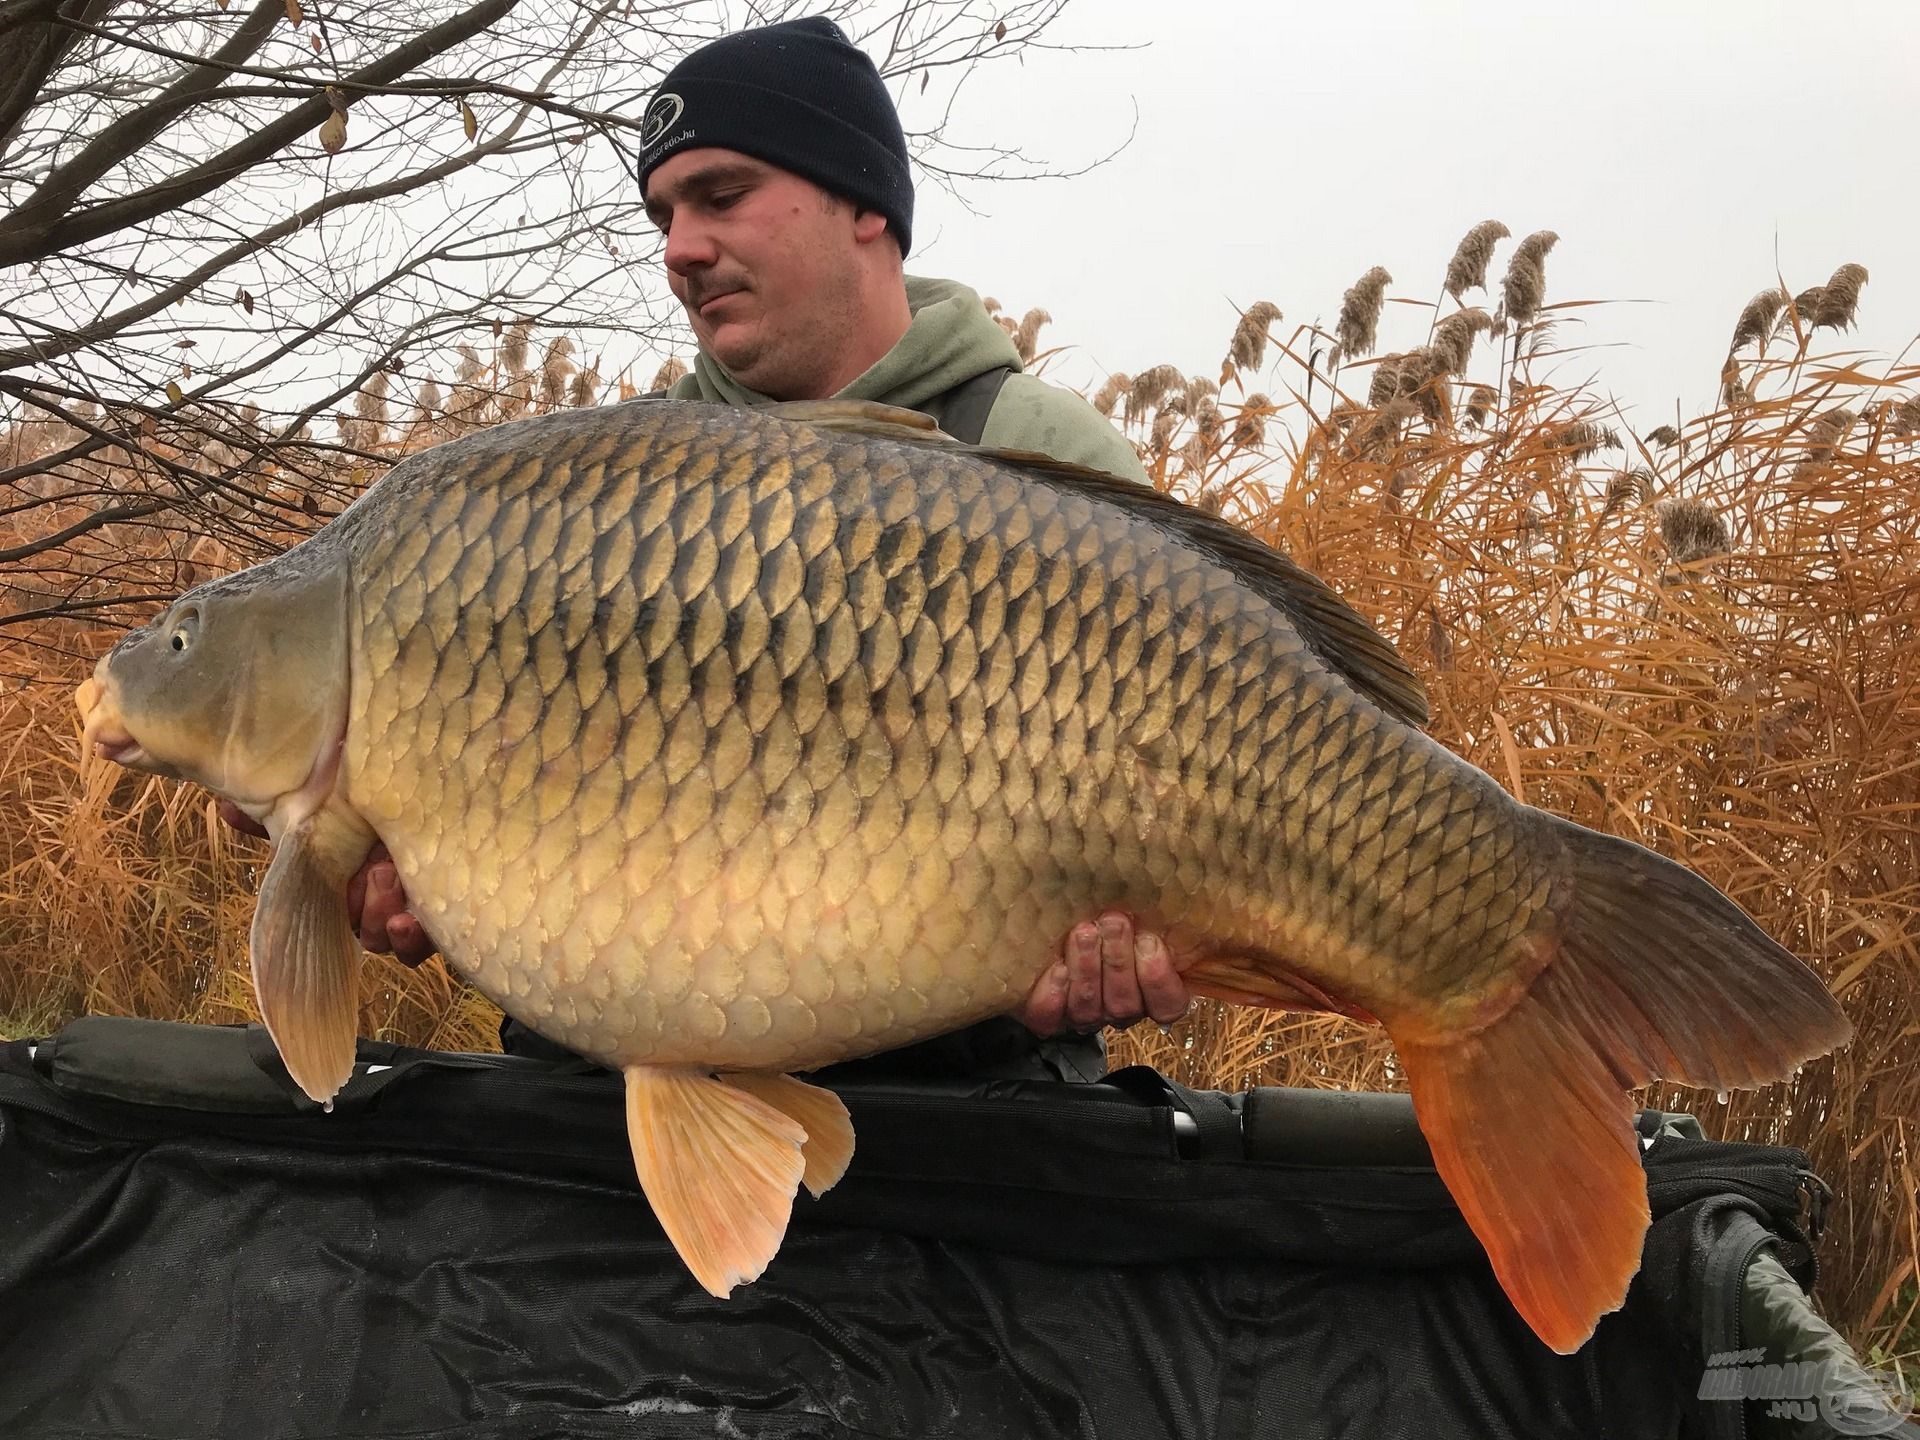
(728, 199)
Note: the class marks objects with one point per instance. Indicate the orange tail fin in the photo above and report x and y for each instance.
(1655, 974)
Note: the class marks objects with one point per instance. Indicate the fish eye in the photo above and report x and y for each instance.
(180, 640)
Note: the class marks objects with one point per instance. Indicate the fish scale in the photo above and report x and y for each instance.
(718, 746)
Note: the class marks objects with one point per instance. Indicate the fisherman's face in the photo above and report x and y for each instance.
(764, 263)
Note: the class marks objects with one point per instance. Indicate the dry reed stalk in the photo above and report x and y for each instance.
(1248, 348)
(1358, 327)
(1467, 270)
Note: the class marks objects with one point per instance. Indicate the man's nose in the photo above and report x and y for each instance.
(690, 246)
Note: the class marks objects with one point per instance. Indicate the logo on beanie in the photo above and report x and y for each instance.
(661, 114)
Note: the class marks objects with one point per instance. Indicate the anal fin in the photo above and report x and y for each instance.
(1532, 1131)
(719, 1166)
(305, 956)
(829, 1145)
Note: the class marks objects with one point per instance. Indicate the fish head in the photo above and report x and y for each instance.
(240, 685)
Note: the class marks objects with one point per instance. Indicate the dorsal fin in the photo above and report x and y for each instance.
(864, 417)
(1335, 631)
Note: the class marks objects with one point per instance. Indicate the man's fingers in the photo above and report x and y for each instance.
(1045, 1009)
(1161, 988)
(1119, 985)
(1084, 977)
(411, 943)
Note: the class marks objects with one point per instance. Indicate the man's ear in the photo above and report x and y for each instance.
(868, 226)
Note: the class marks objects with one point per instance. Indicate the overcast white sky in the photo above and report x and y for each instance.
(1681, 150)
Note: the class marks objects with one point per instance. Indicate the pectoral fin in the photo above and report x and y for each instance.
(306, 960)
(719, 1166)
(829, 1146)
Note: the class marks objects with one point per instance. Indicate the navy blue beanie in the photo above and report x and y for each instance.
(798, 95)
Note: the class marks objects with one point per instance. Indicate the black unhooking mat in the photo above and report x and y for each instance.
(190, 1251)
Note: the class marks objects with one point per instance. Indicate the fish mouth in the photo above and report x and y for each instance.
(104, 730)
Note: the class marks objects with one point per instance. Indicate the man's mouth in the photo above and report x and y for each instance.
(707, 302)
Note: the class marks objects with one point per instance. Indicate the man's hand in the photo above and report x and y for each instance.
(1108, 975)
(376, 901)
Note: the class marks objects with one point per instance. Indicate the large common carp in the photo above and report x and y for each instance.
(718, 745)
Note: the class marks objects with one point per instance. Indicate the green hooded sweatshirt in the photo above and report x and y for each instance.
(953, 339)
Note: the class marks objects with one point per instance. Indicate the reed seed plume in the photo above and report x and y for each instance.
(1250, 425)
(1757, 318)
(670, 373)
(1904, 420)
(1026, 339)
(513, 350)
(1386, 380)
(1805, 306)
(1692, 530)
(1665, 436)
(586, 386)
(370, 405)
(1359, 325)
(1248, 348)
(1525, 285)
(1164, 425)
(1824, 434)
(1583, 439)
(1453, 339)
(1199, 389)
(1627, 486)
(1468, 268)
(556, 367)
(429, 399)
(1207, 419)
(470, 366)
(1839, 298)
(1150, 387)
(1110, 391)
(991, 305)
(1480, 403)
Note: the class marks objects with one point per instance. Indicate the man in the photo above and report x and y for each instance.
(774, 163)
